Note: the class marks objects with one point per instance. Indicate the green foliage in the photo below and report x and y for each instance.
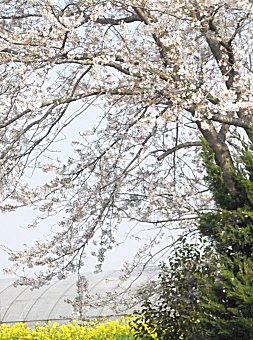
(242, 172)
(206, 292)
(229, 231)
(229, 298)
(175, 309)
(227, 302)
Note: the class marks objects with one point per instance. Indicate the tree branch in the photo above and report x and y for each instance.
(176, 148)
(156, 38)
(222, 154)
(66, 100)
(240, 122)
(114, 22)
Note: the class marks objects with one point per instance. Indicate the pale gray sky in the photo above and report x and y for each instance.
(13, 225)
(15, 235)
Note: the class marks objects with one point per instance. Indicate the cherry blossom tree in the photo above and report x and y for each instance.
(157, 75)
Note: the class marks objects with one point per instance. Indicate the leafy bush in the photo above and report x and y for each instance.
(174, 311)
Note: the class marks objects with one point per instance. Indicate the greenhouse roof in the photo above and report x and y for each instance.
(106, 294)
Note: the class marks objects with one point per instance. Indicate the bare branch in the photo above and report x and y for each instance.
(233, 121)
(178, 147)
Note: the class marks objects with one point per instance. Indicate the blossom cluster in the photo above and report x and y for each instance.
(102, 104)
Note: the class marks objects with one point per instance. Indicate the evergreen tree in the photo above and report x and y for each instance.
(207, 292)
(228, 299)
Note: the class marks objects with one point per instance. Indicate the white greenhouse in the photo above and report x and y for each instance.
(106, 294)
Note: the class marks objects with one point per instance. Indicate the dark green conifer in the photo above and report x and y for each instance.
(207, 292)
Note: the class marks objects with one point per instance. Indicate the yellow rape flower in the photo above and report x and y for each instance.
(108, 330)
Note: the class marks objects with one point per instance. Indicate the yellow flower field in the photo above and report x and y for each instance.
(111, 330)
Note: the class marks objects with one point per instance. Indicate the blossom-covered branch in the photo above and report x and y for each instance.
(155, 76)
